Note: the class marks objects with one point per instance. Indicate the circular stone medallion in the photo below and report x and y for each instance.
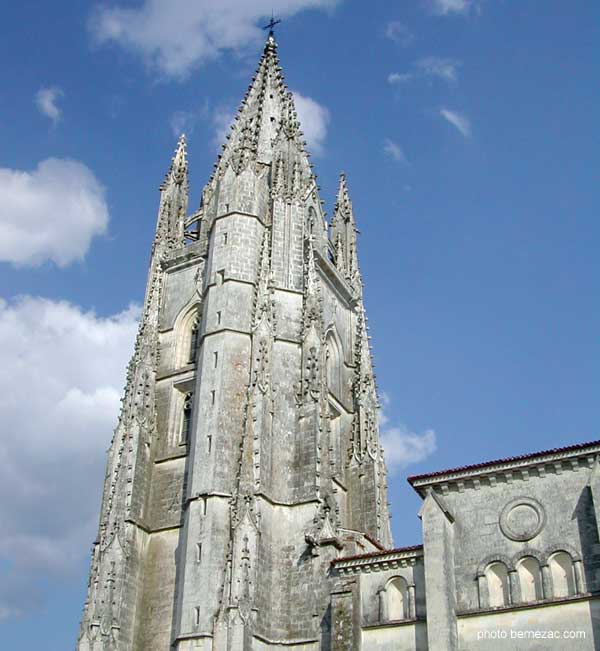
(522, 519)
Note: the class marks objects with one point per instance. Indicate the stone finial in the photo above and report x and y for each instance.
(178, 170)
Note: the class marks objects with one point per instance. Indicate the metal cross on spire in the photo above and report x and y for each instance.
(271, 24)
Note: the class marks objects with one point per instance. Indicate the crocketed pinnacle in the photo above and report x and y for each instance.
(343, 206)
(178, 170)
(343, 236)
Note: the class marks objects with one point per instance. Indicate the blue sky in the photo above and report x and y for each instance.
(468, 132)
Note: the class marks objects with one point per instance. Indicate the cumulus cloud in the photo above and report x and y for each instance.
(175, 36)
(458, 120)
(63, 372)
(447, 7)
(399, 33)
(394, 150)
(46, 100)
(446, 69)
(50, 213)
(314, 120)
(402, 446)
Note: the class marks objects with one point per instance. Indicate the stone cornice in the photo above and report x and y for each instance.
(378, 561)
(395, 623)
(559, 460)
(542, 603)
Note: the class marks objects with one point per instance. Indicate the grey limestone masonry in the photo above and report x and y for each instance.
(245, 498)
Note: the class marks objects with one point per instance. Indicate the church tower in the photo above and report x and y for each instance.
(246, 457)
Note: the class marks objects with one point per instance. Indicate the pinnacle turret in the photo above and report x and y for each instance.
(343, 236)
(173, 202)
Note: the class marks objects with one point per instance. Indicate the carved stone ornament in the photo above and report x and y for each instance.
(522, 519)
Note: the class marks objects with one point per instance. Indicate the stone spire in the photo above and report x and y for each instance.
(343, 236)
(264, 160)
(173, 201)
(237, 474)
(267, 108)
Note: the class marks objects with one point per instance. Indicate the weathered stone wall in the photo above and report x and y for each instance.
(408, 637)
(479, 509)
(546, 628)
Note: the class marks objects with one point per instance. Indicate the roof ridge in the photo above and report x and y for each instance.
(521, 457)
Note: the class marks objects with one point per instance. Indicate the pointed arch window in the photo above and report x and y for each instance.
(530, 579)
(186, 418)
(496, 576)
(563, 575)
(187, 336)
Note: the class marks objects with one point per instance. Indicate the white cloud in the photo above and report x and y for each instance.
(182, 122)
(446, 69)
(185, 121)
(175, 36)
(403, 447)
(46, 101)
(63, 372)
(223, 118)
(394, 150)
(399, 33)
(51, 213)
(399, 78)
(446, 7)
(458, 120)
(314, 120)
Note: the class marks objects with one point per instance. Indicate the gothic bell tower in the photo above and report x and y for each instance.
(247, 456)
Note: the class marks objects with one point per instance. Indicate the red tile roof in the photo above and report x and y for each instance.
(386, 552)
(486, 464)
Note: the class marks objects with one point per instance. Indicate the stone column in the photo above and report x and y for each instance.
(546, 583)
(411, 601)
(440, 588)
(482, 591)
(515, 588)
(383, 615)
(580, 587)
